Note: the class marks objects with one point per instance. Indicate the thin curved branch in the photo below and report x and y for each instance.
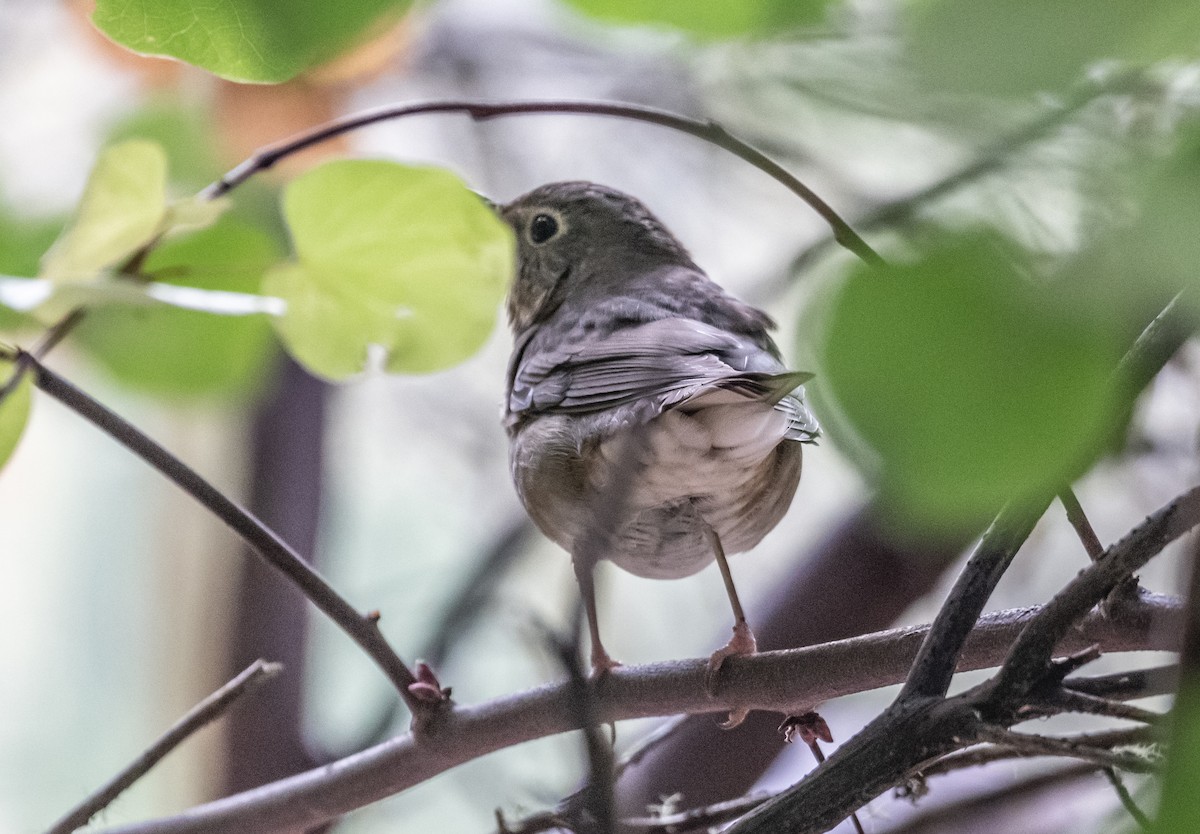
(1001, 751)
(205, 712)
(480, 111)
(363, 629)
(787, 682)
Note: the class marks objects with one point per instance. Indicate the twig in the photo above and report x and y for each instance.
(985, 754)
(203, 713)
(1126, 799)
(1067, 700)
(363, 629)
(1139, 683)
(982, 810)
(1075, 747)
(694, 819)
(785, 682)
(990, 159)
(482, 111)
(1079, 520)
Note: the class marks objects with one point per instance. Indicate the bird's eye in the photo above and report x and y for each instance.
(542, 228)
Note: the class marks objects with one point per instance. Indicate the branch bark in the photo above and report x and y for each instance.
(785, 682)
(483, 111)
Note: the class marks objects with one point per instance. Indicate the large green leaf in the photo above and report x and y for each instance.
(243, 40)
(1179, 812)
(711, 18)
(123, 207)
(965, 384)
(403, 258)
(14, 411)
(1020, 46)
(177, 352)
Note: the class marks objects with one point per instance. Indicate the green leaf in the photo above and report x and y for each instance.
(122, 208)
(243, 40)
(965, 384)
(14, 411)
(400, 257)
(177, 352)
(711, 18)
(1179, 813)
(1021, 46)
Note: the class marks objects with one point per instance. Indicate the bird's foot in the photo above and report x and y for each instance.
(741, 644)
(602, 664)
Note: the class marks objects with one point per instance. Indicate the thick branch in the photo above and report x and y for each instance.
(786, 682)
(922, 725)
(483, 111)
(935, 664)
(364, 630)
(1031, 653)
(207, 711)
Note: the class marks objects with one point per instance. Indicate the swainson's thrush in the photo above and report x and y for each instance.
(650, 418)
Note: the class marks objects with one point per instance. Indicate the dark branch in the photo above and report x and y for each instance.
(1030, 655)
(364, 630)
(484, 111)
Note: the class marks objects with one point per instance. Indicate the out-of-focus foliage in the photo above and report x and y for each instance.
(162, 350)
(711, 18)
(404, 258)
(14, 411)
(122, 208)
(243, 40)
(1179, 812)
(22, 244)
(1029, 45)
(970, 385)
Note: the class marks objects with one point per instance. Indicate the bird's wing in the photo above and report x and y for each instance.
(651, 367)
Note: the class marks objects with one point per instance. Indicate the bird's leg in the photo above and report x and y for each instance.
(601, 662)
(743, 642)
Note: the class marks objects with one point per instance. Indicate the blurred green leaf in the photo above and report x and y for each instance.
(184, 134)
(14, 411)
(180, 352)
(122, 208)
(711, 18)
(390, 255)
(243, 40)
(22, 244)
(1023, 46)
(1179, 813)
(970, 384)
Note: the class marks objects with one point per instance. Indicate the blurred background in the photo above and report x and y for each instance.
(122, 603)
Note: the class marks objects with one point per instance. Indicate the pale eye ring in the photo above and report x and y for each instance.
(542, 228)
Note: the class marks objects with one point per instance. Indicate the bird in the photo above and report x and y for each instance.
(650, 417)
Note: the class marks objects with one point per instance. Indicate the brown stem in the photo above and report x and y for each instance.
(364, 630)
(1079, 520)
(783, 682)
(483, 111)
